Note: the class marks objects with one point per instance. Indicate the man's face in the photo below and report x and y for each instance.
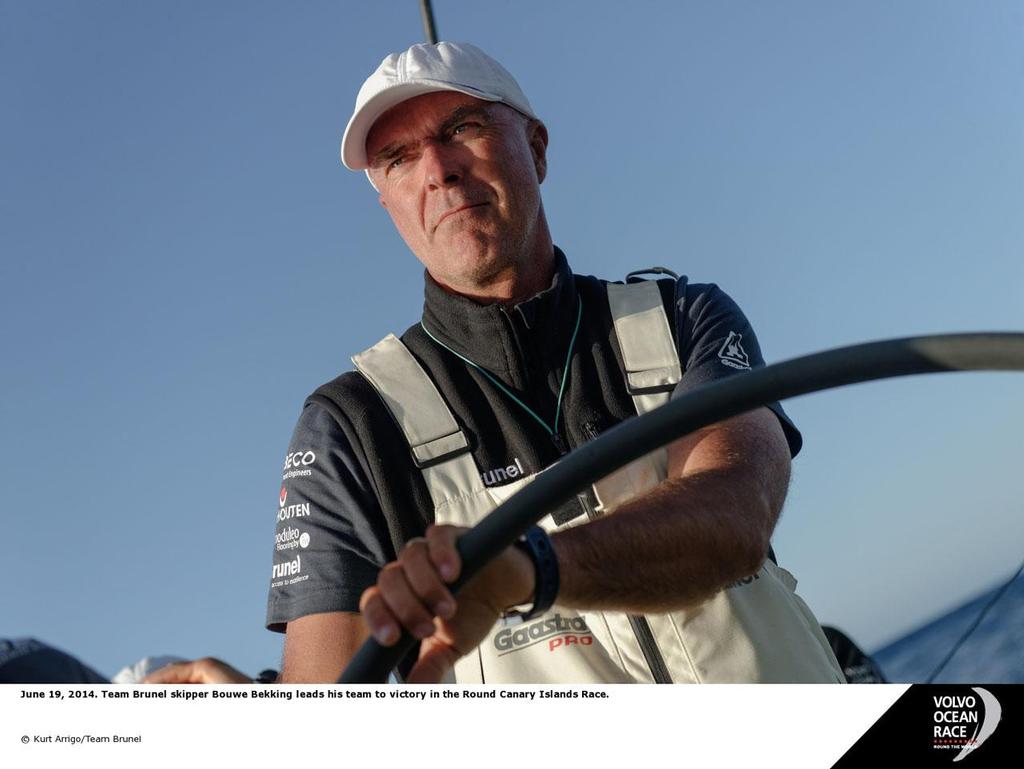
(460, 178)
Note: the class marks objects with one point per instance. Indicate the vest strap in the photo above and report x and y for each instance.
(440, 448)
(645, 339)
(412, 398)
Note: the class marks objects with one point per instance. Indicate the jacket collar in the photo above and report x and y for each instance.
(534, 333)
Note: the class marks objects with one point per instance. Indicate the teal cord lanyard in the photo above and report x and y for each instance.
(552, 431)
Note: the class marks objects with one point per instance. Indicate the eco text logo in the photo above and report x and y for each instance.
(297, 464)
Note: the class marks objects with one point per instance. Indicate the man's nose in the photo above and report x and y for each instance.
(442, 165)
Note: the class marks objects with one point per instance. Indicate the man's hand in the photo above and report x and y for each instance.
(412, 593)
(708, 524)
(202, 671)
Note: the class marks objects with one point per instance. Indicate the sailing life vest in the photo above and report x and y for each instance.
(755, 630)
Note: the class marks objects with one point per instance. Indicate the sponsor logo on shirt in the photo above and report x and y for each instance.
(287, 512)
(291, 538)
(287, 569)
(743, 581)
(732, 353)
(288, 573)
(297, 464)
(502, 474)
(555, 632)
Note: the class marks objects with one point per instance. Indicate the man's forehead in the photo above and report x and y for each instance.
(419, 116)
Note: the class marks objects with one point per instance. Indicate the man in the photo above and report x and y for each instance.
(661, 573)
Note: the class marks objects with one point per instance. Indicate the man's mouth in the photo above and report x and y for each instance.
(456, 210)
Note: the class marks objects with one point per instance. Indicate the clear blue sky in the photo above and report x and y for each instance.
(184, 259)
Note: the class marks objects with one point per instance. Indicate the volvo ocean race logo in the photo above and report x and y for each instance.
(964, 722)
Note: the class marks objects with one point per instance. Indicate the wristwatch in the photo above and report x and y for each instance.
(537, 545)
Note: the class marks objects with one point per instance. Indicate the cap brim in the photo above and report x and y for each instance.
(353, 143)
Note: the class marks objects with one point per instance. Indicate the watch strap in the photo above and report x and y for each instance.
(537, 545)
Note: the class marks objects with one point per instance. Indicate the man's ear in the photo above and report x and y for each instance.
(537, 136)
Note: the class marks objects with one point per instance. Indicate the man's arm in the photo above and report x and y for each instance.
(328, 517)
(707, 525)
(317, 647)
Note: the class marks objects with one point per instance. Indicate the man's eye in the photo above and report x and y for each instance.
(395, 163)
(462, 127)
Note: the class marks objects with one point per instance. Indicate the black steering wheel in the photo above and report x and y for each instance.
(995, 351)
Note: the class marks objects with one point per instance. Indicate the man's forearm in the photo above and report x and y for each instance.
(317, 647)
(676, 546)
(708, 525)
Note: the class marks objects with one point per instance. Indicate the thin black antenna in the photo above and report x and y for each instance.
(428, 21)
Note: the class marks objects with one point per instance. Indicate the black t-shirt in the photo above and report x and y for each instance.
(331, 537)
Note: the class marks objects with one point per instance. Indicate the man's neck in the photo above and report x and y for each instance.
(511, 287)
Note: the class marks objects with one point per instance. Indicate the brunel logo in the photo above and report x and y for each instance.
(287, 569)
(743, 581)
(557, 631)
(502, 474)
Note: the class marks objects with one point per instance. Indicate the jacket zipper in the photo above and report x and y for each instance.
(641, 627)
(524, 364)
(644, 636)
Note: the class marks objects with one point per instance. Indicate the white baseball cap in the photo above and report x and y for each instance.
(424, 68)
